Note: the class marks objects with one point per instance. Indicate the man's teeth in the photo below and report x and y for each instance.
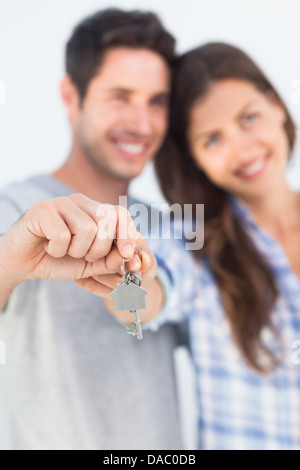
(252, 169)
(134, 149)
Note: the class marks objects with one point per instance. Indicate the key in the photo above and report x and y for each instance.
(129, 295)
(136, 328)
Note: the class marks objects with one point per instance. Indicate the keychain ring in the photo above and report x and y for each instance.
(123, 260)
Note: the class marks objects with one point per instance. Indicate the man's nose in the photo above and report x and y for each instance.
(140, 119)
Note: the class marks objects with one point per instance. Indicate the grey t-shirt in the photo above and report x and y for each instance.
(73, 377)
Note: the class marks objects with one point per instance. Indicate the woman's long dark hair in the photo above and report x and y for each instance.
(246, 284)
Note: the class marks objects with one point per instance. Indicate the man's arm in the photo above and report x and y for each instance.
(7, 285)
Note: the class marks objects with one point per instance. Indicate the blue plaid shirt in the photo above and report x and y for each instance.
(238, 407)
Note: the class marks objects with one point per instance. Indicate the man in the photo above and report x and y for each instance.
(73, 378)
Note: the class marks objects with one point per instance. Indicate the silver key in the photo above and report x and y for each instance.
(129, 295)
(136, 328)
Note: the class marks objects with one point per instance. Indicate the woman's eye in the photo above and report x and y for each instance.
(250, 118)
(212, 140)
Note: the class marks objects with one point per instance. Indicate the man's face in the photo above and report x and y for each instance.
(123, 118)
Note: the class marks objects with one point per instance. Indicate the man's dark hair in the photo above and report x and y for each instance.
(113, 28)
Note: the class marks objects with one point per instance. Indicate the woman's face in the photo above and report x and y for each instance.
(237, 138)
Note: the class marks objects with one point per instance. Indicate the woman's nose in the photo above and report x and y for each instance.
(242, 145)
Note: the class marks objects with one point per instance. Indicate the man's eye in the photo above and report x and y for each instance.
(120, 97)
(162, 101)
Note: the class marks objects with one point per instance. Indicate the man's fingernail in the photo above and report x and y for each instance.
(128, 251)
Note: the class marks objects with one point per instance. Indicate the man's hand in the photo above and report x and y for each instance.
(74, 238)
(146, 266)
(67, 238)
(103, 284)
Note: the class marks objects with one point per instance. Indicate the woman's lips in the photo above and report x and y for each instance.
(254, 169)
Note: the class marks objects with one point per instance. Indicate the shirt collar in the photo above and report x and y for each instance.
(269, 247)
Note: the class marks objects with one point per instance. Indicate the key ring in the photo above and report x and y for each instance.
(123, 261)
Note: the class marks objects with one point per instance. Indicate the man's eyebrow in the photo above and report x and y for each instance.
(124, 91)
(127, 91)
(161, 94)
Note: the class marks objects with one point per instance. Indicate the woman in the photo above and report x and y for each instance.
(230, 139)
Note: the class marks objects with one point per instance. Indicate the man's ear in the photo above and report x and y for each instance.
(70, 96)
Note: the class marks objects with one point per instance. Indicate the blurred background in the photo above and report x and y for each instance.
(34, 131)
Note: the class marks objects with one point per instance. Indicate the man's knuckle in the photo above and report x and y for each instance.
(57, 202)
(77, 197)
(63, 236)
(90, 229)
(40, 206)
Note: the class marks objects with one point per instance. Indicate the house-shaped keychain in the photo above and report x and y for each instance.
(129, 297)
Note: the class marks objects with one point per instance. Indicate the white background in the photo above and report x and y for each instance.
(34, 131)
